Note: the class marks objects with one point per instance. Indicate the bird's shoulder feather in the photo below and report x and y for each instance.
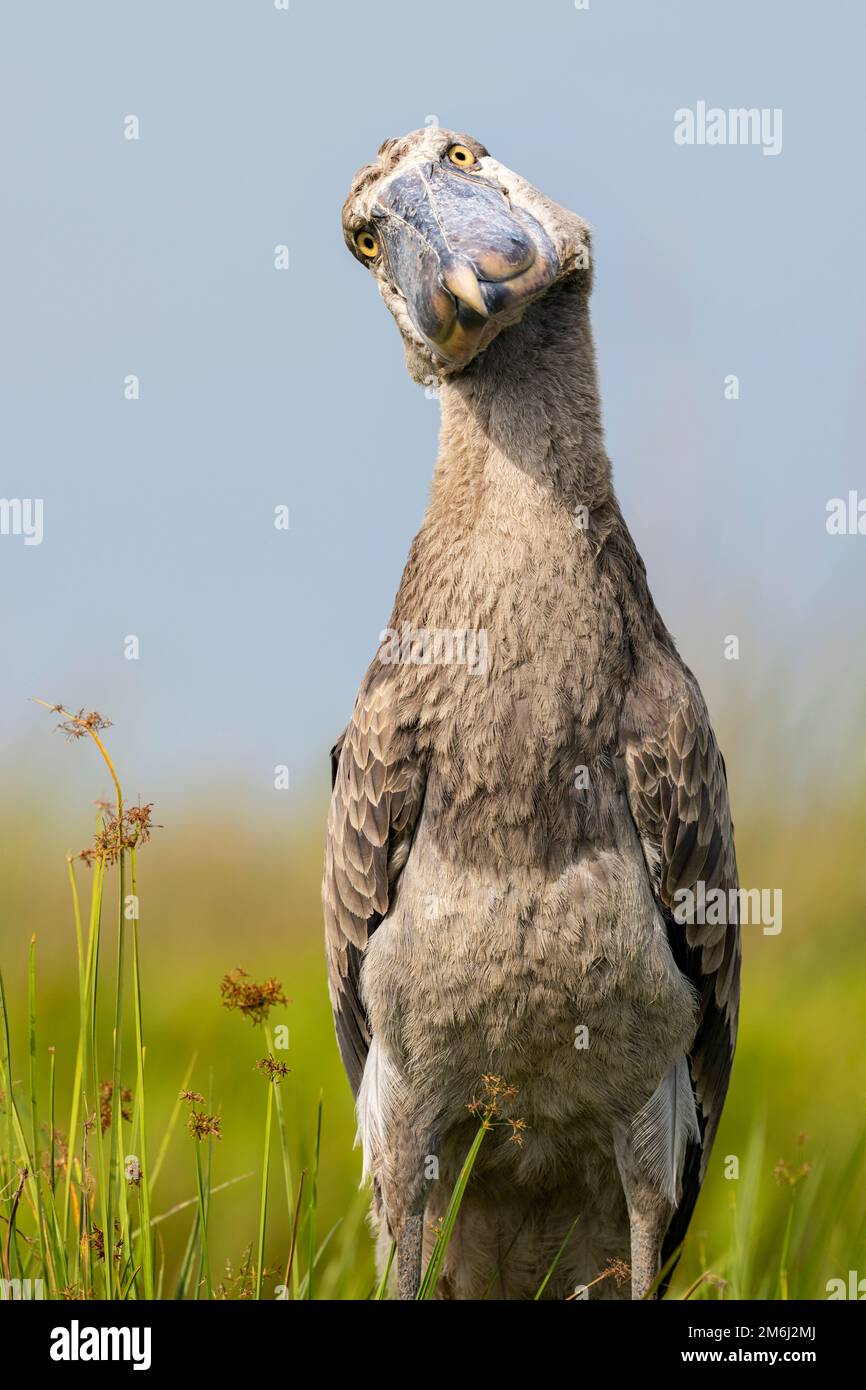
(377, 790)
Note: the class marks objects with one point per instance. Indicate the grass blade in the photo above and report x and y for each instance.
(430, 1280)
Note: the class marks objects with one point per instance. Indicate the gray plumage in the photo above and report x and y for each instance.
(484, 898)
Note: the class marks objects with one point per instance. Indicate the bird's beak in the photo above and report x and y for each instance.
(460, 255)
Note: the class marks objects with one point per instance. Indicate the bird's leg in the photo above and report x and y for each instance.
(405, 1203)
(649, 1219)
(410, 1242)
(649, 1215)
(407, 1221)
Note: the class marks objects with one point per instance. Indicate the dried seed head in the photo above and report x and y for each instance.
(202, 1126)
(96, 1242)
(790, 1174)
(619, 1271)
(253, 1001)
(496, 1094)
(275, 1070)
(77, 725)
(106, 1093)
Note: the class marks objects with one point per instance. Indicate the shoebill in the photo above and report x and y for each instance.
(529, 805)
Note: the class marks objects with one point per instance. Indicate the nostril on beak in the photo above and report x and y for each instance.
(460, 280)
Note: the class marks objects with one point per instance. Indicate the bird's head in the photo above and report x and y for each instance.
(459, 245)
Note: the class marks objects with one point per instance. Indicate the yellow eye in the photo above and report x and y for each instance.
(367, 244)
(463, 158)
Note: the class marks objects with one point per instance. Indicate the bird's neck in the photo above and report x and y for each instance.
(525, 416)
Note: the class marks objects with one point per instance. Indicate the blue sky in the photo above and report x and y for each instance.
(260, 387)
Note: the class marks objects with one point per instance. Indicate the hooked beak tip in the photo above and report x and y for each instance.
(461, 281)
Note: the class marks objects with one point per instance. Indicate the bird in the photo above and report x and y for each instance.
(528, 801)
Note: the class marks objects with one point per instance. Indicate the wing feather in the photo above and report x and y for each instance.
(677, 790)
(377, 789)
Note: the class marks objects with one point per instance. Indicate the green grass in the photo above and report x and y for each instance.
(106, 994)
